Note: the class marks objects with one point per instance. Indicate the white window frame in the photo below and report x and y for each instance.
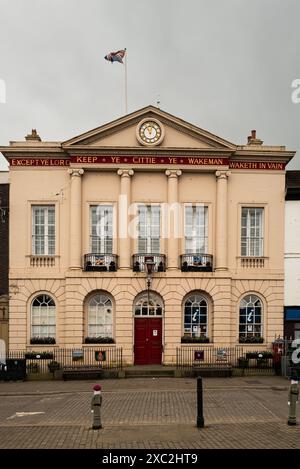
(252, 245)
(45, 236)
(102, 327)
(197, 328)
(194, 238)
(251, 323)
(50, 313)
(105, 237)
(149, 239)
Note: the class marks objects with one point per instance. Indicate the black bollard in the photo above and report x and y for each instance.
(200, 418)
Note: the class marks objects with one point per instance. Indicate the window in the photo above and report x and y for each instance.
(43, 317)
(195, 316)
(250, 317)
(149, 229)
(151, 305)
(252, 232)
(196, 229)
(43, 230)
(101, 229)
(100, 317)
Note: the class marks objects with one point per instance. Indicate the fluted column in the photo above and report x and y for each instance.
(173, 218)
(221, 223)
(75, 218)
(124, 204)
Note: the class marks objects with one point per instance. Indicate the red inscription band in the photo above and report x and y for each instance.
(150, 160)
(39, 162)
(257, 165)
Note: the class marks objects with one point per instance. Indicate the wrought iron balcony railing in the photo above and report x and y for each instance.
(100, 262)
(196, 262)
(139, 262)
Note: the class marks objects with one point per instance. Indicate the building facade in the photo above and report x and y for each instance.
(4, 225)
(147, 232)
(292, 256)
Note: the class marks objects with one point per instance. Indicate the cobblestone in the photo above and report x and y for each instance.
(139, 415)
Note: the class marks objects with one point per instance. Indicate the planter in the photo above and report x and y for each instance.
(42, 341)
(53, 366)
(99, 340)
(243, 362)
(39, 356)
(251, 340)
(194, 340)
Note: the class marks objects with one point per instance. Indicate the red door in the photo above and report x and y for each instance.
(147, 341)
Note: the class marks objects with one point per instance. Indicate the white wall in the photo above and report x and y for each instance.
(292, 253)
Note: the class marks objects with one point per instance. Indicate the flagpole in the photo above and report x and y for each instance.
(126, 97)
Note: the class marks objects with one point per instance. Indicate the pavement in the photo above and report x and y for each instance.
(249, 412)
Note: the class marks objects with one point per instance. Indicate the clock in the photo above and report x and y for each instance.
(150, 132)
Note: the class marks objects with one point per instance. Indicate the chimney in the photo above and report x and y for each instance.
(252, 140)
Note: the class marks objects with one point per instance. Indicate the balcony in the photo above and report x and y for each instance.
(196, 263)
(100, 262)
(139, 262)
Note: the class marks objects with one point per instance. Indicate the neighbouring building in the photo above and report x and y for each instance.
(292, 256)
(147, 232)
(4, 223)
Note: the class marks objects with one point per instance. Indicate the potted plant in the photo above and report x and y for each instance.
(251, 340)
(243, 362)
(187, 339)
(53, 366)
(42, 340)
(99, 340)
(39, 355)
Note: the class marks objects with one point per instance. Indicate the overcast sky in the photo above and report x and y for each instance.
(224, 65)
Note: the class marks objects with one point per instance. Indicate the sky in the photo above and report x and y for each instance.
(226, 66)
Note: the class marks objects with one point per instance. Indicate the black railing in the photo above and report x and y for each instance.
(100, 262)
(208, 356)
(139, 262)
(43, 363)
(196, 262)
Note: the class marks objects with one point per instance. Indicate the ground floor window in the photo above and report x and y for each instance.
(43, 317)
(100, 316)
(195, 316)
(250, 318)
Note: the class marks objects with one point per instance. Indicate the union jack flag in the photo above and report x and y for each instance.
(116, 56)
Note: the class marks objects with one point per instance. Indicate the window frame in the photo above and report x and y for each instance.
(191, 334)
(48, 325)
(254, 324)
(250, 250)
(105, 250)
(148, 239)
(98, 323)
(34, 207)
(205, 225)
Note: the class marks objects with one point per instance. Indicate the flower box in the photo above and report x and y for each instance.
(251, 340)
(42, 340)
(99, 340)
(39, 356)
(194, 340)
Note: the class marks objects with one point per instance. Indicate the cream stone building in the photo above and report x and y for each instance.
(147, 231)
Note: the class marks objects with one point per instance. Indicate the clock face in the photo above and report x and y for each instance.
(150, 132)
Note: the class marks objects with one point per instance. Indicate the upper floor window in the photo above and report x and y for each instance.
(196, 229)
(252, 232)
(43, 230)
(101, 229)
(148, 229)
(43, 317)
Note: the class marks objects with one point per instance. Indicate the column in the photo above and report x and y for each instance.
(75, 218)
(173, 218)
(124, 204)
(221, 221)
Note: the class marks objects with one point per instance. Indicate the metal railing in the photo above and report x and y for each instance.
(196, 262)
(208, 356)
(100, 262)
(40, 362)
(139, 262)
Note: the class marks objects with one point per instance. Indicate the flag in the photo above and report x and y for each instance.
(116, 56)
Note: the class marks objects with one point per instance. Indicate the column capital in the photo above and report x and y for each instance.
(125, 173)
(222, 174)
(75, 172)
(173, 173)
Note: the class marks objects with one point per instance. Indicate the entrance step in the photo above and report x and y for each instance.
(149, 371)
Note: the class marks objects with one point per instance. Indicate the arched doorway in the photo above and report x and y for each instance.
(148, 313)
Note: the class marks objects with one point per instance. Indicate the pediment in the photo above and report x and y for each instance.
(122, 133)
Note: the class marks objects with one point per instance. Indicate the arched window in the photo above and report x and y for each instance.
(195, 316)
(100, 316)
(250, 318)
(43, 317)
(148, 305)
